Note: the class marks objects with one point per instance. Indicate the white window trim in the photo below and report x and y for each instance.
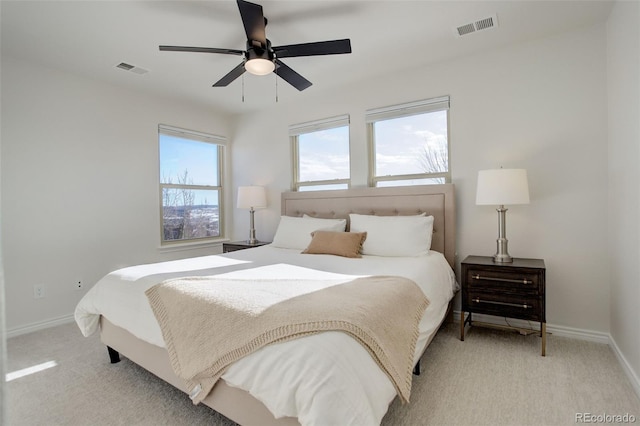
(407, 109)
(221, 142)
(191, 134)
(296, 130)
(323, 124)
(404, 110)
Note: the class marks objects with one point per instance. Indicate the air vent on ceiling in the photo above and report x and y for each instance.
(132, 68)
(477, 25)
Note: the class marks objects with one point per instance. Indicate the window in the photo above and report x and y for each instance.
(409, 143)
(321, 154)
(190, 185)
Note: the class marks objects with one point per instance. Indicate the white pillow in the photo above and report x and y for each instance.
(394, 235)
(295, 232)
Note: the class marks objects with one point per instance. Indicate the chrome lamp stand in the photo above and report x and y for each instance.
(502, 253)
(252, 230)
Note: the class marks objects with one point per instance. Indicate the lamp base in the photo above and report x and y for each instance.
(252, 230)
(502, 258)
(502, 251)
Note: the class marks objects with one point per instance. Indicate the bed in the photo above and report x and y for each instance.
(116, 306)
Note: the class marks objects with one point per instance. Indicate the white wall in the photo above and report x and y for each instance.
(623, 82)
(3, 334)
(79, 184)
(539, 106)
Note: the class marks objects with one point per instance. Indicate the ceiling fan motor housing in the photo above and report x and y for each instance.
(255, 50)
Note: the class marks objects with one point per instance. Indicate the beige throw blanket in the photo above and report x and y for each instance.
(208, 323)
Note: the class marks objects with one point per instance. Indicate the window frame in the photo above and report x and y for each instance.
(426, 106)
(221, 143)
(296, 130)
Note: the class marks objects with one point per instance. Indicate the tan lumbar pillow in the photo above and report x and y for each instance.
(346, 244)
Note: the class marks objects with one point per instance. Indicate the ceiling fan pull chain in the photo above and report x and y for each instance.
(242, 88)
(276, 84)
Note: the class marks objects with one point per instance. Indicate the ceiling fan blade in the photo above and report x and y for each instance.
(232, 75)
(332, 47)
(291, 77)
(253, 20)
(201, 50)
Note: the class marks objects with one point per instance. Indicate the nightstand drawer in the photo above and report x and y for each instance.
(516, 282)
(504, 305)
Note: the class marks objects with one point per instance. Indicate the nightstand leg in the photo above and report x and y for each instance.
(543, 332)
(462, 326)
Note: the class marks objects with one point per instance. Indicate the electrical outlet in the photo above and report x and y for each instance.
(38, 291)
(78, 285)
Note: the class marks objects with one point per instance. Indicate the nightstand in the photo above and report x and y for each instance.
(510, 290)
(241, 245)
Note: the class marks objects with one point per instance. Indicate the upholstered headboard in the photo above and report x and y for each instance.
(435, 200)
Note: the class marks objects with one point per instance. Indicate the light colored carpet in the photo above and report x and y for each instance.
(492, 378)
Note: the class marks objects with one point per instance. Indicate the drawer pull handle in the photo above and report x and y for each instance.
(506, 280)
(525, 306)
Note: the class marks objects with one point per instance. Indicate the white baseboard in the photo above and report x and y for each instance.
(558, 330)
(39, 326)
(633, 377)
(580, 334)
(570, 332)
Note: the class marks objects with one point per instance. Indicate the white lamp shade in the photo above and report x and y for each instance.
(251, 196)
(502, 187)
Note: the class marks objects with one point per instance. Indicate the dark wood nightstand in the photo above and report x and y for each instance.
(241, 245)
(511, 290)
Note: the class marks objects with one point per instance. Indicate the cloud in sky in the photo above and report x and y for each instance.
(401, 142)
(324, 155)
(323, 167)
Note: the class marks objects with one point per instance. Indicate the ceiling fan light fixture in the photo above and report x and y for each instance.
(259, 66)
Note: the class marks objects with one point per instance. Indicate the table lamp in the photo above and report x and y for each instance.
(502, 187)
(251, 197)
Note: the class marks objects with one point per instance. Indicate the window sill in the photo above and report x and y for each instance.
(192, 245)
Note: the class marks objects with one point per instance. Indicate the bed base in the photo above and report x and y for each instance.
(231, 402)
(114, 357)
(236, 404)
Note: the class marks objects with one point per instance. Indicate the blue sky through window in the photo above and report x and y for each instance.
(199, 159)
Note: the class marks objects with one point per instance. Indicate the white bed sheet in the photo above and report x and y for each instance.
(323, 379)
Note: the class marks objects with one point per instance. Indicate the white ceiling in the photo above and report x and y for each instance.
(90, 37)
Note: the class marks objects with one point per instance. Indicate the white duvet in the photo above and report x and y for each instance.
(323, 379)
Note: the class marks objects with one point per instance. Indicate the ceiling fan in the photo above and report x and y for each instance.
(261, 58)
